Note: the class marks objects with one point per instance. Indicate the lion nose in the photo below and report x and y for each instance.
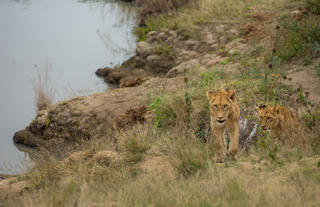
(219, 117)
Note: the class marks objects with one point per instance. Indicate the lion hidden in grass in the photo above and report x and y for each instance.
(282, 125)
(225, 115)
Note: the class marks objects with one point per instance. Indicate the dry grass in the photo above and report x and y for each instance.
(43, 90)
(255, 179)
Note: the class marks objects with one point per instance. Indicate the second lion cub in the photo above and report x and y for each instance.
(224, 114)
(282, 124)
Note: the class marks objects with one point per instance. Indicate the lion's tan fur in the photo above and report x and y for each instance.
(282, 124)
(224, 107)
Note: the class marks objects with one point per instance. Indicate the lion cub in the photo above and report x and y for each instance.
(282, 124)
(224, 114)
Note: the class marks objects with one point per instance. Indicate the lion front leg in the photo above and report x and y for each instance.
(219, 145)
(234, 142)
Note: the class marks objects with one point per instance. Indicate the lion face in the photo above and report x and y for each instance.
(269, 116)
(221, 105)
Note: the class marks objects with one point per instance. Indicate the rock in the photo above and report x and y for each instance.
(115, 77)
(151, 36)
(4, 176)
(233, 32)
(173, 34)
(143, 49)
(103, 72)
(40, 123)
(182, 68)
(296, 15)
(210, 60)
(156, 61)
(162, 36)
(170, 41)
(94, 116)
(132, 81)
(25, 137)
(185, 55)
(140, 61)
(192, 44)
(220, 28)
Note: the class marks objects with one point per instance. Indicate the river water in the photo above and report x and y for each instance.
(69, 39)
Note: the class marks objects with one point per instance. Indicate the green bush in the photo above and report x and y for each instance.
(298, 38)
(313, 6)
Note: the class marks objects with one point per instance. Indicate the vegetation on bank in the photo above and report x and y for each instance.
(167, 162)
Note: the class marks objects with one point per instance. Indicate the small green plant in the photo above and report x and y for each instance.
(317, 69)
(135, 143)
(268, 146)
(142, 32)
(164, 116)
(208, 79)
(302, 98)
(311, 120)
(25, 137)
(165, 50)
(47, 123)
(298, 38)
(313, 6)
(192, 156)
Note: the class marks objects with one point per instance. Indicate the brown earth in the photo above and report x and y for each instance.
(304, 77)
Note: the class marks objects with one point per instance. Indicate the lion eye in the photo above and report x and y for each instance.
(268, 118)
(225, 106)
(215, 106)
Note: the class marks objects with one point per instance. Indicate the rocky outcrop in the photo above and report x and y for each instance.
(157, 55)
(103, 72)
(132, 81)
(90, 117)
(27, 138)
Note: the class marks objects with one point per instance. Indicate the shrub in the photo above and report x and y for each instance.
(170, 110)
(298, 38)
(191, 156)
(313, 6)
(135, 143)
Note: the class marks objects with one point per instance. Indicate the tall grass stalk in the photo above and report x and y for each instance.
(44, 93)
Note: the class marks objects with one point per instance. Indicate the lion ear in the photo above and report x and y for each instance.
(210, 94)
(276, 109)
(232, 95)
(260, 107)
